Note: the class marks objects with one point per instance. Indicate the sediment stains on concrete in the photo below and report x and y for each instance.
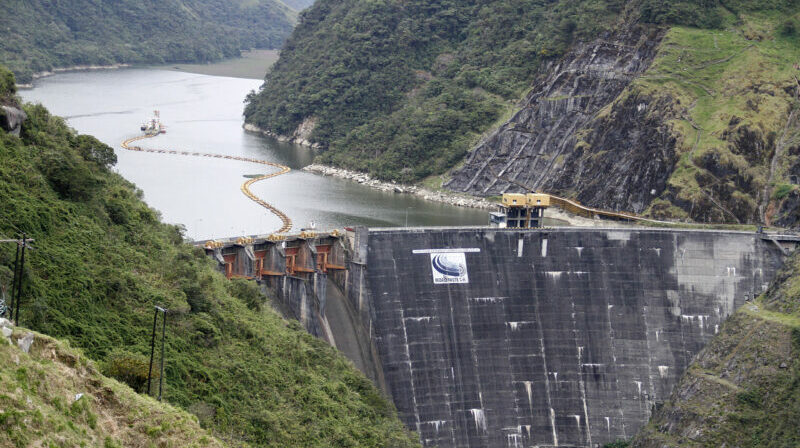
(570, 341)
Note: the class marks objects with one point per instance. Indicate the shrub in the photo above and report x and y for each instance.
(781, 191)
(247, 292)
(130, 368)
(618, 444)
(788, 28)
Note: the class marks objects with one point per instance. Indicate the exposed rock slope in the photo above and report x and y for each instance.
(685, 123)
(572, 137)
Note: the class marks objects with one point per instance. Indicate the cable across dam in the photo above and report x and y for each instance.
(283, 169)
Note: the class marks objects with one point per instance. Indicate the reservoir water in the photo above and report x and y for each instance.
(204, 114)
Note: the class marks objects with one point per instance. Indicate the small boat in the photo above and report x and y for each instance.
(154, 125)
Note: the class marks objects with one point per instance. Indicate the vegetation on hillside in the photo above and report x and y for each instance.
(738, 132)
(40, 35)
(55, 396)
(102, 260)
(403, 89)
(743, 389)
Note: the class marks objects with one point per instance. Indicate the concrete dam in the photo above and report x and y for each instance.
(489, 337)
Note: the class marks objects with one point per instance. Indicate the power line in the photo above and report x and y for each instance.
(11, 224)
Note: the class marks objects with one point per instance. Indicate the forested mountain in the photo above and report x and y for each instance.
(681, 109)
(39, 35)
(102, 260)
(402, 89)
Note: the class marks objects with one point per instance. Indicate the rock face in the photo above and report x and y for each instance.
(11, 119)
(568, 133)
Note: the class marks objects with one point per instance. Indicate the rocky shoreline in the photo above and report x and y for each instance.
(435, 196)
(281, 138)
(74, 68)
(454, 199)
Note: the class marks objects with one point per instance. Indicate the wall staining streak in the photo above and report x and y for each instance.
(569, 341)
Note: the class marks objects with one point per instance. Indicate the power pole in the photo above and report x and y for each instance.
(163, 312)
(152, 349)
(10, 306)
(19, 287)
(19, 271)
(163, 337)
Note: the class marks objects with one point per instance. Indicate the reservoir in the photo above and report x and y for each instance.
(203, 113)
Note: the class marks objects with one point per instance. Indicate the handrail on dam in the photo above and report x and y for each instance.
(538, 201)
(283, 169)
(590, 212)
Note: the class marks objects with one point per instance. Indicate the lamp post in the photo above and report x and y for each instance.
(197, 228)
(407, 209)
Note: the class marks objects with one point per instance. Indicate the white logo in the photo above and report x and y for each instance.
(449, 268)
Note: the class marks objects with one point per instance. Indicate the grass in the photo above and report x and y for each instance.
(726, 81)
(38, 405)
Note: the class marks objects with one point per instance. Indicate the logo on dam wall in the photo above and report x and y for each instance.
(449, 268)
(448, 265)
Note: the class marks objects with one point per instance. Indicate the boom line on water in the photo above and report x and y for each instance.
(245, 188)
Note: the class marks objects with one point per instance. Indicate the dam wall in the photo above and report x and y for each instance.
(560, 337)
(487, 337)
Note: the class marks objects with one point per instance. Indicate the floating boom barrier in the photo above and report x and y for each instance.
(282, 169)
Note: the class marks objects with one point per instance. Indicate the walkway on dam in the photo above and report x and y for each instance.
(283, 169)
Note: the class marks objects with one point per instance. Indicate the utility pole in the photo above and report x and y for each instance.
(19, 287)
(10, 306)
(163, 311)
(19, 270)
(163, 337)
(152, 350)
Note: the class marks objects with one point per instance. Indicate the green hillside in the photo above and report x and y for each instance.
(39, 405)
(734, 87)
(402, 89)
(103, 259)
(40, 35)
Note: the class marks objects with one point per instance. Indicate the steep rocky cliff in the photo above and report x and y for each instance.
(678, 122)
(577, 134)
(743, 389)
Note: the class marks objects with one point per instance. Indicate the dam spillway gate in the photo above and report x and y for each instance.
(505, 338)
